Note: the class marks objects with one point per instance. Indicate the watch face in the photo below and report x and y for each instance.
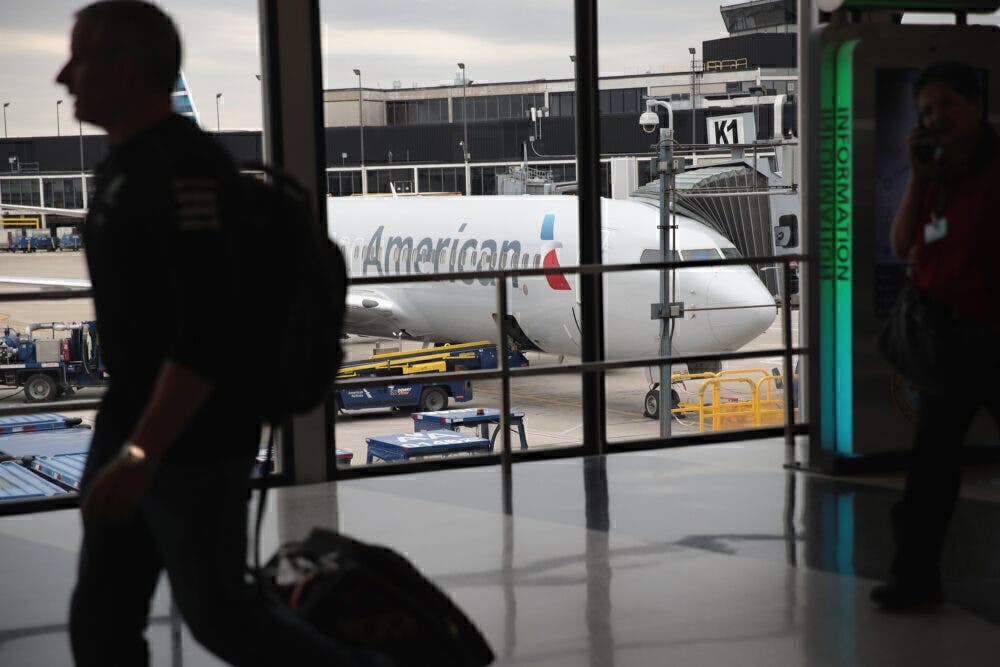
(135, 453)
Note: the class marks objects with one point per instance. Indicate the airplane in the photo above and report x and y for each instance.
(409, 235)
(726, 307)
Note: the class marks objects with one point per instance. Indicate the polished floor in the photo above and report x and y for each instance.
(701, 556)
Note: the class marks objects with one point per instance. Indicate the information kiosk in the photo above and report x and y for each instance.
(862, 111)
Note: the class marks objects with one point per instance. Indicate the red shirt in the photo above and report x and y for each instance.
(961, 271)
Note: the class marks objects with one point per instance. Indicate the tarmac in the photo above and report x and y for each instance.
(551, 403)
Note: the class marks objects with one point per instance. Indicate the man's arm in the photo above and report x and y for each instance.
(178, 395)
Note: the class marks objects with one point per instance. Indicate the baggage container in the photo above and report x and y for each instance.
(19, 483)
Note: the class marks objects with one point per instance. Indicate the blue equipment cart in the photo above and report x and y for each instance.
(481, 418)
(63, 468)
(18, 483)
(404, 446)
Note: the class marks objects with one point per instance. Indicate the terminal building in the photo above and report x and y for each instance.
(603, 539)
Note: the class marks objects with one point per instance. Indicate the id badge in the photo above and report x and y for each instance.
(936, 229)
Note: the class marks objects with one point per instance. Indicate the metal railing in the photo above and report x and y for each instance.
(504, 373)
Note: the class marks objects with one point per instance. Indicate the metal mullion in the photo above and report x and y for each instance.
(563, 369)
(503, 363)
(507, 274)
(32, 408)
(48, 295)
(789, 384)
(589, 201)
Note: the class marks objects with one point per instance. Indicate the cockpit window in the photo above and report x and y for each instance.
(731, 253)
(700, 253)
(653, 255)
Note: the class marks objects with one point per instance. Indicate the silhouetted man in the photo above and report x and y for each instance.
(166, 483)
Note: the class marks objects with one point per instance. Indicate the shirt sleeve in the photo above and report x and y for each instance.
(202, 274)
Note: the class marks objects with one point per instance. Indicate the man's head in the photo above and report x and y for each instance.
(123, 53)
(949, 102)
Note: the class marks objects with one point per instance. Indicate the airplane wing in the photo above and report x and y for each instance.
(69, 212)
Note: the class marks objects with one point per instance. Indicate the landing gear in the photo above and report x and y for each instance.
(651, 404)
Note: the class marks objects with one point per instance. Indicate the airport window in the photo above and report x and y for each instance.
(383, 180)
(414, 112)
(343, 183)
(22, 191)
(493, 107)
(447, 179)
(62, 192)
(700, 253)
(653, 256)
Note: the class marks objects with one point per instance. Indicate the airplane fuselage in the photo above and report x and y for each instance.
(389, 236)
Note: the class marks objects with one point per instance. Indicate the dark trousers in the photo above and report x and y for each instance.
(920, 520)
(193, 524)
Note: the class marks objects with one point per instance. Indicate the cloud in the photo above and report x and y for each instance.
(34, 43)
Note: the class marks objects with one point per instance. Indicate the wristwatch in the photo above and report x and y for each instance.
(132, 454)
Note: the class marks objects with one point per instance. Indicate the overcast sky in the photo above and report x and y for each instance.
(411, 41)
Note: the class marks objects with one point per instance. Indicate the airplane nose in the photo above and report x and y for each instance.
(745, 307)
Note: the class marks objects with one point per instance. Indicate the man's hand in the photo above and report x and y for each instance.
(115, 493)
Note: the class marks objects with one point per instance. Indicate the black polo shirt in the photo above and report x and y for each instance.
(158, 243)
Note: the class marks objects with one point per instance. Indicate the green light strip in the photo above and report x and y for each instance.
(827, 297)
(843, 250)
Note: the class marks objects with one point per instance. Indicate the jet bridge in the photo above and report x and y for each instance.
(743, 203)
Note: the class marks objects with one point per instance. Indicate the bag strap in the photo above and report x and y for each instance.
(262, 502)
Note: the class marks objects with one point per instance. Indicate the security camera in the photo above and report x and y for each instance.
(649, 120)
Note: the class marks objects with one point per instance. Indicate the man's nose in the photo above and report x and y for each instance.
(61, 75)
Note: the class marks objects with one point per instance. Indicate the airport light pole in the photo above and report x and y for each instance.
(5, 105)
(58, 104)
(361, 120)
(218, 123)
(694, 113)
(665, 168)
(465, 116)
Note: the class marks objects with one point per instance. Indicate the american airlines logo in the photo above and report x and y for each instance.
(406, 255)
(550, 259)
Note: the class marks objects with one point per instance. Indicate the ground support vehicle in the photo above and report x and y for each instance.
(49, 367)
(423, 394)
(70, 241)
(32, 243)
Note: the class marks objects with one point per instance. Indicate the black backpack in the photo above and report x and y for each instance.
(294, 278)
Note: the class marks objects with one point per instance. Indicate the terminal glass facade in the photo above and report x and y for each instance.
(444, 179)
(62, 192)
(610, 101)
(416, 112)
(24, 191)
(496, 107)
(343, 183)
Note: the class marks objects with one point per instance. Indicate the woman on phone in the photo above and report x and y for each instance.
(948, 225)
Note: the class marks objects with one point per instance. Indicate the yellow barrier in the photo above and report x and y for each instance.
(763, 408)
(21, 221)
(731, 415)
